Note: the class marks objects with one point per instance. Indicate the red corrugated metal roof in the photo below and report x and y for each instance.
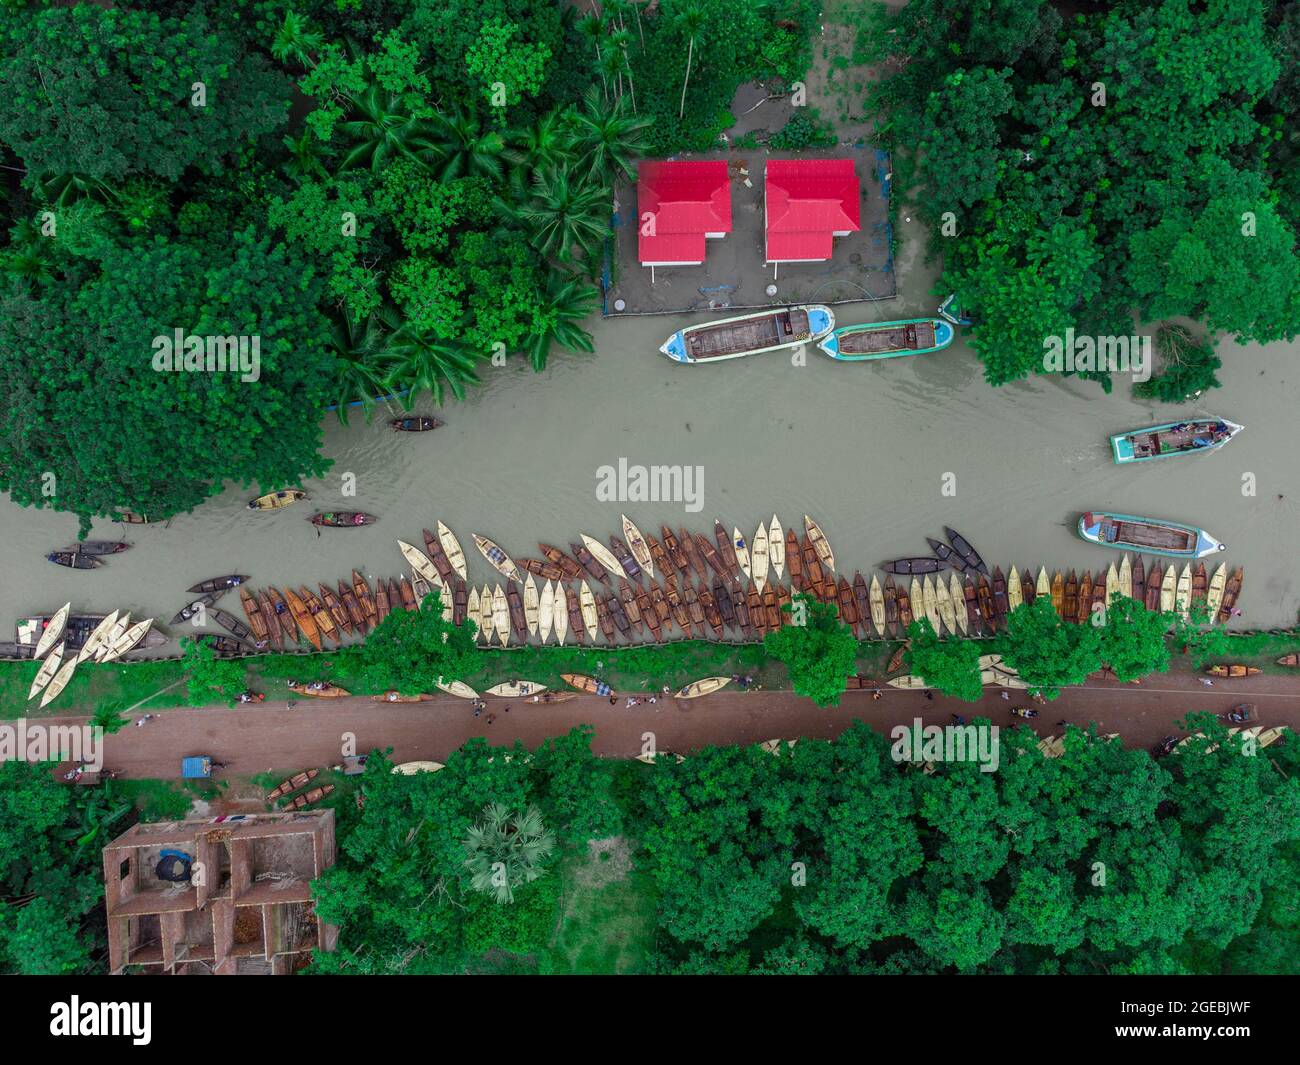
(807, 201)
(687, 198)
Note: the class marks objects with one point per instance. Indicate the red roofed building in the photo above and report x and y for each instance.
(679, 206)
(809, 202)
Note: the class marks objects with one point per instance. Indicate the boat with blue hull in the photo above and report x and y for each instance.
(750, 334)
(888, 340)
(1124, 532)
(1172, 439)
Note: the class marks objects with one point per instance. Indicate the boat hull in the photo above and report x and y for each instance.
(1124, 532)
(1134, 446)
(918, 336)
(766, 330)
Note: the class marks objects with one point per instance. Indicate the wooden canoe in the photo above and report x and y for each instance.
(382, 605)
(452, 549)
(232, 624)
(342, 519)
(1233, 670)
(630, 606)
(414, 424)
(604, 618)
(863, 598)
(325, 623)
(576, 625)
(348, 596)
(957, 595)
(757, 615)
(904, 601)
(1085, 599)
(474, 614)
(848, 604)
(820, 543)
(438, 556)
(944, 604)
(1230, 593)
(1070, 605)
(907, 680)
(587, 605)
(218, 584)
(420, 562)
(561, 615)
(678, 607)
(722, 599)
(254, 614)
(342, 619)
(457, 688)
(1183, 592)
(589, 562)
(988, 607)
(1125, 575)
(571, 569)
(1043, 586)
(532, 606)
(323, 691)
(650, 614)
(877, 607)
(1154, 584)
(1214, 593)
(968, 554)
(660, 557)
(772, 608)
(891, 606)
(587, 684)
(619, 614)
(516, 689)
(601, 554)
(785, 601)
(499, 560)
(690, 546)
(280, 608)
(888, 340)
(1292, 660)
(908, 566)
(406, 595)
(713, 559)
(301, 615)
(60, 681)
(293, 783)
(740, 603)
(96, 638)
(132, 638)
(776, 546)
(638, 546)
(1058, 593)
(930, 604)
(1112, 583)
(501, 615)
(548, 571)
(1169, 591)
(309, 797)
(674, 551)
(626, 563)
(726, 549)
(970, 597)
(276, 500)
(48, 668)
(1015, 590)
(707, 686)
(741, 549)
(274, 629)
(1200, 585)
(366, 601)
(53, 630)
(487, 614)
(1139, 579)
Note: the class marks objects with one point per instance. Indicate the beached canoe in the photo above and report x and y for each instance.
(474, 616)
(1172, 439)
(46, 673)
(457, 688)
(1058, 593)
(1125, 578)
(759, 556)
(546, 611)
(60, 681)
(930, 603)
(516, 689)
(518, 620)
(776, 546)
(500, 561)
(957, 594)
(888, 340)
(1183, 594)
(909, 681)
(749, 334)
(1235, 671)
(486, 615)
(421, 424)
(820, 543)
(276, 500)
(1139, 579)
(318, 690)
(53, 630)
(638, 546)
(1214, 593)
(963, 548)
(1125, 532)
(1169, 591)
(741, 548)
(97, 636)
(293, 783)
(1230, 593)
(298, 802)
(1154, 583)
(131, 638)
(560, 614)
(587, 684)
(451, 548)
(501, 615)
(1015, 590)
(532, 605)
(707, 686)
(1291, 660)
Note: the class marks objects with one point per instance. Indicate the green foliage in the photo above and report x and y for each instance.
(210, 677)
(1187, 367)
(819, 653)
(412, 650)
(505, 850)
(500, 56)
(802, 131)
(951, 666)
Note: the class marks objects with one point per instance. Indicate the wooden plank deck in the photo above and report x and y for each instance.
(912, 337)
(1156, 537)
(1168, 442)
(760, 331)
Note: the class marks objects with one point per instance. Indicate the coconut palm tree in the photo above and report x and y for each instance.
(605, 137)
(567, 302)
(690, 19)
(387, 128)
(548, 142)
(424, 362)
(566, 215)
(504, 851)
(462, 149)
(296, 41)
(364, 350)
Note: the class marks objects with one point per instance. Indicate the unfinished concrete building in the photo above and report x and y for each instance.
(228, 896)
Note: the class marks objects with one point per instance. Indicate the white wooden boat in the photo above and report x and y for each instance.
(546, 611)
(53, 631)
(46, 673)
(776, 546)
(707, 686)
(760, 556)
(636, 543)
(451, 548)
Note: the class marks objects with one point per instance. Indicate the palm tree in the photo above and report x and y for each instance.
(620, 39)
(567, 302)
(363, 350)
(462, 150)
(549, 142)
(605, 137)
(305, 157)
(565, 215)
(424, 362)
(610, 66)
(691, 18)
(503, 851)
(296, 40)
(386, 129)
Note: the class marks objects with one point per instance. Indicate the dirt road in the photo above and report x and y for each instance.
(270, 737)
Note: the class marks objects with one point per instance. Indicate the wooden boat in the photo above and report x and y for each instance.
(1230, 593)
(878, 612)
(302, 616)
(500, 561)
(1169, 591)
(759, 555)
(365, 599)
(888, 340)
(915, 601)
(848, 604)
(1098, 595)
(342, 519)
(988, 611)
(458, 688)
(451, 548)
(1015, 590)
(587, 605)
(696, 688)
(944, 604)
(405, 595)
(690, 546)
(957, 593)
(1058, 593)
(54, 630)
(1183, 594)
(1154, 584)
(99, 547)
(415, 424)
(348, 596)
(749, 334)
(1139, 579)
(906, 566)
(1234, 671)
(589, 563)
(96, 637)
(531, 606)
(784, 602)
(627, 600)
(722, 597)
(793, 559)
(726, 550)
(1292, 660)
(572, 570)
(627, 564)
(660, 556)
(675, 552)
(904, 603)
(438, 556)
(1200, 587)
(60, 681)
(274, 630)
(576, 624)
(475, 614)
(776, 546)
(757, 615)
(1171, 439)
(678, 607)
(891, 606)
(548, 571)
(813, 578)
(191, 609)
(561, 615)
(772, 608)
(1112, 583)
(948, 556)
(1125, 532)
(281, 612)
(909, 681)
(601, 554)
(713, 559)
(930, 604)
(342, 619)
(422, 589)
(309, 797)
(862, 597)
(48, 668)
(320, 614)
(420, 562)
(487, 625)
(650, 613)
(605, 618)
(135, 635)
(218, 584)
(232, 624)
(382, 605)
(695, 609)
(293, 783)
(963, 548)
(555, 697)
(896, 659)
(638, 546)
(1085, 599)
(740, 604)
(1043, 586)
(222, 646)
(741, 549)
(256, 621)
(516, 689)
(1214, 593)
(1124, 585)
(501, 614)
(820, 543)
(587, 684)
(970, 596)
(1070, 611)
(276, 500)
(73, 560)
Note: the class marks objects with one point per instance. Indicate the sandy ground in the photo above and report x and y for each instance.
(271, 737)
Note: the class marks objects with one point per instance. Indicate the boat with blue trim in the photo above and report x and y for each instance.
(1124, 532)
(888, 340)
(750, 334)
(1172, 439)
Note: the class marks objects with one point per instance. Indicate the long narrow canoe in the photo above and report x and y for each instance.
(587, 604)
(129, 639)
(930, 604)
(760, 556)
(1169, 591)
(1214, 596)
(749, 334)
(48, 668)
(707, 686)
(420, 562)
(451, 548)
(501, 615)
(53, 631)
(276, 500)
(60, 681)
(1112, 582)
(820, 544)
(487, 625)
(474, 615)
(888, 340)
(516, 689)
(1015, 590)
(113, 635)
(776, 546)
(602, 554)
(963, 548)
(97, 636)
(546, 611)
(1172, 439)
(500, 561)
(457, 688)
(561, 615)
(303, 616)
(367, 601)
(637, 545)
(957, 594)
(741, 548)
(218, 584)
(1043, 586)
(254, 614)
(531, 605)
(1125, 577)
(1183, 595)
(587, 684)
(1125, 532)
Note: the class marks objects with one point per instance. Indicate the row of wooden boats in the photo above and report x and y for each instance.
(112, 636)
